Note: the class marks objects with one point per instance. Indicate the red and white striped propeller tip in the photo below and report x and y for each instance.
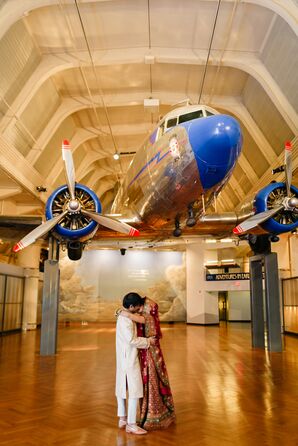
(238, 230)
(18, 247)
(65, 144)
(134, 232)
(288, 145)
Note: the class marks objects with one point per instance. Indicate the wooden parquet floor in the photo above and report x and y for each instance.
(225, 392)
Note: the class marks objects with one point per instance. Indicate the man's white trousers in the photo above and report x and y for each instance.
(132, 409)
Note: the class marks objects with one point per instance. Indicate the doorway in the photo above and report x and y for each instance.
(222, 305)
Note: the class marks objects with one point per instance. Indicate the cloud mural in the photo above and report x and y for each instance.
(92, 288)
(176, 276)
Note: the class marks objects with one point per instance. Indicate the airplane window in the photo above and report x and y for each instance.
(171, 123)
(208, 113)
(189, 116)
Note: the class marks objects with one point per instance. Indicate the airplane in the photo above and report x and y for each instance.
(172, 180)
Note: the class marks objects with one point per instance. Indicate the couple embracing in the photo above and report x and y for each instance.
(141, 370)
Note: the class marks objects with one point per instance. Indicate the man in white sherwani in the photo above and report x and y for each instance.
(128, 371)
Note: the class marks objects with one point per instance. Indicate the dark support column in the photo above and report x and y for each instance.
(272, 303)
(50, 301)
(256, 302)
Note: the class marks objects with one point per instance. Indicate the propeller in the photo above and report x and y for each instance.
(69, 167)
(289, 203)
(256, 220)
(72, 209)
(38, 232)
(111, 223)
(288, 166)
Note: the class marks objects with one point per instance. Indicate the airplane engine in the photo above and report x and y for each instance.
(275, 207)
(275, 195)
(75, 225)
(75, 228)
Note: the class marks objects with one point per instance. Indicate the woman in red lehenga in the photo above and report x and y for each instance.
(157, 407)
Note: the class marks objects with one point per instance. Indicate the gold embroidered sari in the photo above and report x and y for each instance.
(157, 407)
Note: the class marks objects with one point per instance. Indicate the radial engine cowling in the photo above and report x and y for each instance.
(76, 225)
(273, 196)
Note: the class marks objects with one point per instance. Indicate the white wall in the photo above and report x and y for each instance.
(239, 306)
(202, 306)
(293, 241)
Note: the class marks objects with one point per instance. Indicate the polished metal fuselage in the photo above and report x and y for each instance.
(159, 185)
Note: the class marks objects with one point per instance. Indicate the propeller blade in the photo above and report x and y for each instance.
(111, 223)
(288, 166)
(38, 232)
(69, 167)
(256, 220)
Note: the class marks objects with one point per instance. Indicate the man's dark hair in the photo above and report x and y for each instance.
(133, 299)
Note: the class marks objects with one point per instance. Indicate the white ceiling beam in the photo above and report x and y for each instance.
(29, 209)
(236, 188)
(246, 62)
(257, 70)
(104, 187)
(67, 107)
(7, 192)
(84, 168)
(80, 137)
(48, 66)
(287, 9)
(70, 105)
(225, 199)
(94, 177)
(97, 177)
(14, 10)
(15, 165)
(100, 172)
(247, 168)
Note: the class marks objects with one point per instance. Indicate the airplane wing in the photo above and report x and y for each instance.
(11, 227)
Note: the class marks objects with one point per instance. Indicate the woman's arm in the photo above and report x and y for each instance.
(133, 316)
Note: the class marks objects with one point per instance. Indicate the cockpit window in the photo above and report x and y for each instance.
(208, 113)
(171, 123)
(189, 116)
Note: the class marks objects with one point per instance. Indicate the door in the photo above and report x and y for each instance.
(222, 305)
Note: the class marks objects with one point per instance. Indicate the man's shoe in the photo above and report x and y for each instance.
(134, 429)
(122, 424)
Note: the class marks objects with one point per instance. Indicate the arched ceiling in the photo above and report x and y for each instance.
(81, 69)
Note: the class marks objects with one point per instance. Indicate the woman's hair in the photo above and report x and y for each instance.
(133, 299)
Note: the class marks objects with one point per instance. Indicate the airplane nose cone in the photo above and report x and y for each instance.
(216, 142)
